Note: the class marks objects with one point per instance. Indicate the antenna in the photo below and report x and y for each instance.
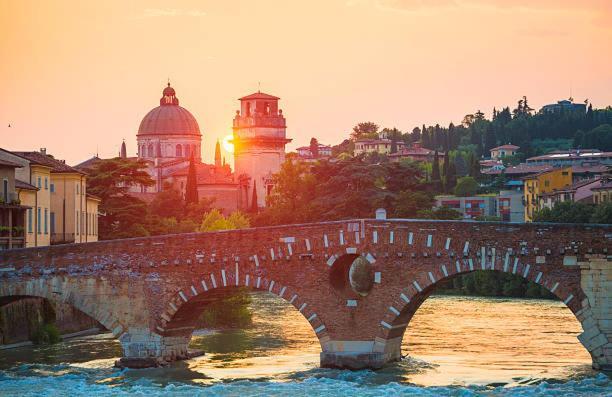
(259, 86)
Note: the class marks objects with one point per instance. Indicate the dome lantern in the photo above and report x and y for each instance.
(169, 97)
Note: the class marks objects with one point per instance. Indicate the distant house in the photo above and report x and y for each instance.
(603, 192)
(381, 146)
(537, 186)
(581, 191)
(499, 152)
(573, 157)
(305, 153)
(566, 105)
(415, 153)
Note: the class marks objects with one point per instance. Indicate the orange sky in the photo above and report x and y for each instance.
(80, 75)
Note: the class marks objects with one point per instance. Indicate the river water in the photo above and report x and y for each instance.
(455, 346)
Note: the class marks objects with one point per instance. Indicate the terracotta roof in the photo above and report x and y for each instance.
(48, 161)
(5, 163)
(415, 151)
(509, 147)
(24, 185)
(258, 95)
(520, 169)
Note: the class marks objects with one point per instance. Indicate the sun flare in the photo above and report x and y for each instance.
(228, 143)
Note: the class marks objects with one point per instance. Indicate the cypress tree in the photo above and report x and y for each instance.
(446, 171)
(254, 206)
(435, 171)
(191, 189)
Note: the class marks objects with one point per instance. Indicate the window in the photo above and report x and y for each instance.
(38, 183)
(5, 190)
(52, 222)
(46, 183)
(46, 217)
(77, 188)
(38, 226)
(76, 226)
(30, 216)
(179, 151)
(53, 188)
(547, 183)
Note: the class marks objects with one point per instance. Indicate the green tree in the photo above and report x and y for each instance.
(215, 220)
(466, 186)
(122, 214)
(366, 129)
(566, 212)
(602, 213)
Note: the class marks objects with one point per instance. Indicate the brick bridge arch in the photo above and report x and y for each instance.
(137, 286)
(61, 290)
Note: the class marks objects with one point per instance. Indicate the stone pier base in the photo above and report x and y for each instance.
(356, 355)
(144, 349)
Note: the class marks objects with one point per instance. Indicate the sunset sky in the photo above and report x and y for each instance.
(78, 76)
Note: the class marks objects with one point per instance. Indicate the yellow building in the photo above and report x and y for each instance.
(61, 210)
(535, 186)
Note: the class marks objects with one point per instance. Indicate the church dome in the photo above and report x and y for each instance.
(169, 118)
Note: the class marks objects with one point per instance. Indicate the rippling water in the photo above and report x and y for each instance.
(456, 346)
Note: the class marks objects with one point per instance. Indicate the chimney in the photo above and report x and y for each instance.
(43, 150)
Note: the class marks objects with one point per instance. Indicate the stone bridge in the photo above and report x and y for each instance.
(357, 282)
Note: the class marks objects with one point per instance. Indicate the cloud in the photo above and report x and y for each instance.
(171, 12)
(539, 5)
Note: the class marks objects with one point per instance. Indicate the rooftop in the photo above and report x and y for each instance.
(259, 95)
(46, 160)
(507, 147)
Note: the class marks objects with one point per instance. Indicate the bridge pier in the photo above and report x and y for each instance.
(356, 355)
(596, 312)
(143, 348)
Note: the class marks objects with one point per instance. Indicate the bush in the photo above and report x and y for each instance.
(229, 312)
(46, 334)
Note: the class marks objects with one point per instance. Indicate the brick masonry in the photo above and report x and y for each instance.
(149, 291)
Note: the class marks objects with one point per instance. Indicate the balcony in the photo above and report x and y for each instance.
(12, 219)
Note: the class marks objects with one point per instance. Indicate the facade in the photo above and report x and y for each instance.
(603, 192)
(471, 207)
(510, 207)
(380, 146)
(502, 151)
(12, 212)
(61, 210)
(414, 153)
(538, 185)
(566, 105)
(259, 147)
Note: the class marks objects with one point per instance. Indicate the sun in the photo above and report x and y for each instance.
(228, 143)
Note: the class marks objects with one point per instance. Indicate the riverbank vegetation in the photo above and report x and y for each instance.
(231, 311)
(492, 283)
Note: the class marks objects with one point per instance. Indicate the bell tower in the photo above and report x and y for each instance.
(259, 146)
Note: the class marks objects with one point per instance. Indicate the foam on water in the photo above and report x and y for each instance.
(63, 380)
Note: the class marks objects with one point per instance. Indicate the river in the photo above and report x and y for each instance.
(455, 346)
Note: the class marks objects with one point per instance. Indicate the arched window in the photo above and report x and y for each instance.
(151, 152)
(179, 151)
